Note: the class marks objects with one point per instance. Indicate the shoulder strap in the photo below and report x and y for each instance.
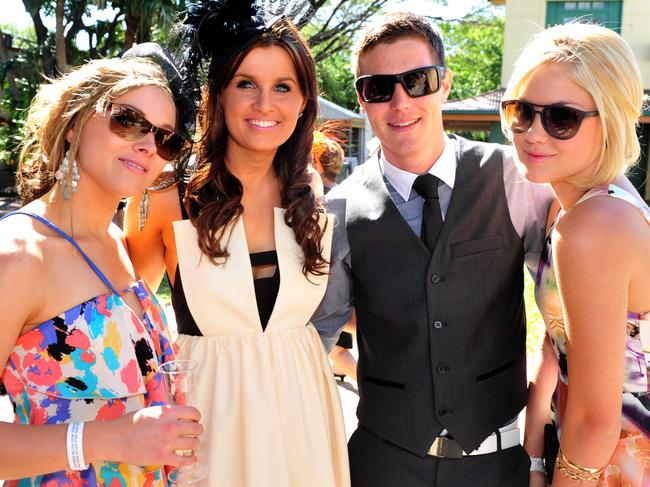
(69, 239)
(619, 193)
(616, 192)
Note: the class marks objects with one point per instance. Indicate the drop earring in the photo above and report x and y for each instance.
(143, 209)
(68, 176)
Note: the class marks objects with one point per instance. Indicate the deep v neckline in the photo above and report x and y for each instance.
(220, 294)
(254, 298)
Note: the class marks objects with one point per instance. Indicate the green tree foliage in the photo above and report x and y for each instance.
(27, 57)
(474, 54)
(18, 84)
(334, 73)
(336, 80)
(331, 34)
(335, 23)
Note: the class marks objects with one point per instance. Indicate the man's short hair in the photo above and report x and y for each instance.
(396, 26)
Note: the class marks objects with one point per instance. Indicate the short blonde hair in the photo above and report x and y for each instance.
(66, 104)
(602, 63)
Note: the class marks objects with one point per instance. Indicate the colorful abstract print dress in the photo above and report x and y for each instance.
(96, 361)
(630, 463)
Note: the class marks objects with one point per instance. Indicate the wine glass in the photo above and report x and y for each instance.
(179, 383)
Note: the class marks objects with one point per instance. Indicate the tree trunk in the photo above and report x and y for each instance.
(49, 61)
(132, 27)
(61, 58)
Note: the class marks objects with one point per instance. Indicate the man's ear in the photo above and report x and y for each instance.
(361, 103)
(446, 84)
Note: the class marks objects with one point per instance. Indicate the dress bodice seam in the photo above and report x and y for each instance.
(122, 304)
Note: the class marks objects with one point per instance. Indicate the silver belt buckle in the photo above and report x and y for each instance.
(446, 448)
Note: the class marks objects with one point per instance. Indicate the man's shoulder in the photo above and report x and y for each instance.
(353, 183)
(484, 150)
(359, 193)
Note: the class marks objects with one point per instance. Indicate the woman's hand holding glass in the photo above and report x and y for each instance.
(150, 436)
(178, 376)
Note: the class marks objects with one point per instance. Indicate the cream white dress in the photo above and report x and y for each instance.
(269, 404)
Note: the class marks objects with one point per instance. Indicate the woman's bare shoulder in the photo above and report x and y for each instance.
(602, 226)
(22, 262)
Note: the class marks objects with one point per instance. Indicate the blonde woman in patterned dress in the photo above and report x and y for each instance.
(571, 110)
(81, 338)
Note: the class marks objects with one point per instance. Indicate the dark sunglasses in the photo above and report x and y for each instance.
(559, 121)
(131, 125)
(379, 88)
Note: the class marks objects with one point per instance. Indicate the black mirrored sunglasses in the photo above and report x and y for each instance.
(131, 125)
(379, 88)
(560, 121)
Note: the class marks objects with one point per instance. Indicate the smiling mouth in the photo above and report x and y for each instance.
(536, 154)
(263, 123)
(404, 124)
(134, 165)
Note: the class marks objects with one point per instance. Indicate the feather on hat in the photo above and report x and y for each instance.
(215, 31)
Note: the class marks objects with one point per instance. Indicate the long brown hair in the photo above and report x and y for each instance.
(213, 195)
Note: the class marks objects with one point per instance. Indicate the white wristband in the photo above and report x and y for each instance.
(75, 446)
(537, 465)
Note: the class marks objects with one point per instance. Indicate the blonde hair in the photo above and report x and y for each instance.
(66, 104)
(602, 63)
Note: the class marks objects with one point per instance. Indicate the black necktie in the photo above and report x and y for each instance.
(426, 186)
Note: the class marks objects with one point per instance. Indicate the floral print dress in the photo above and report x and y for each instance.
(630, 463)
(95, 361)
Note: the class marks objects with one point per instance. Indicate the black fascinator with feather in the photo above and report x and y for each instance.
(186, 113)
(163, 58)
(215, 31)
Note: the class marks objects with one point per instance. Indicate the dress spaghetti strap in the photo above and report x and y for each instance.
(69, 239)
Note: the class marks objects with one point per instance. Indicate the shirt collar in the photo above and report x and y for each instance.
(444, 169)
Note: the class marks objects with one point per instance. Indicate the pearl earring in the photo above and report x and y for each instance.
(68, 176)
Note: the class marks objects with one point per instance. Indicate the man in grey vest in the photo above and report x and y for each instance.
(431, 237)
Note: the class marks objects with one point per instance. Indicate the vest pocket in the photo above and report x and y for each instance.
(496, 371)
(478, 246)
(384, 382)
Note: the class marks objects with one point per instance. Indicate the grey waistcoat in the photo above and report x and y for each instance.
(441, 337)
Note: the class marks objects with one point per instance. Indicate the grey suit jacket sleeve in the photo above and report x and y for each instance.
(336, 308)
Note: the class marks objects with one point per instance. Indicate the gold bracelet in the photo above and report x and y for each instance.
(577, 472)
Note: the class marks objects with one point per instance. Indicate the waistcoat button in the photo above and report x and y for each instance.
(444, 412)
(441, 369)
(438, 324)
(436, 279)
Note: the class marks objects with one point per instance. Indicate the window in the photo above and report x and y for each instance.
(607, 13)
